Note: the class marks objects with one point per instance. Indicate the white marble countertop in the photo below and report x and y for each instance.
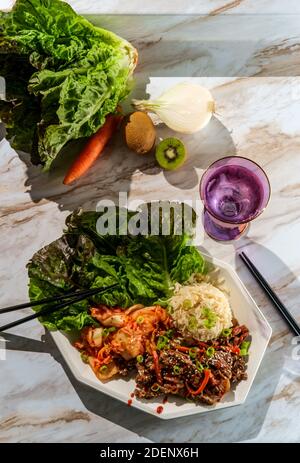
(258, 117)
(212, 7)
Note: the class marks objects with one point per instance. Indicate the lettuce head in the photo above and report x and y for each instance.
(63, 76)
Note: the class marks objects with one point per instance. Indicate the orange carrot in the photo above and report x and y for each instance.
(234, 349)
(92, 149)
(202, 385)
(182, 348)
(156, 365)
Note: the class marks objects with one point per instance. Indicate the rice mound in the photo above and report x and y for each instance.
(192, 303)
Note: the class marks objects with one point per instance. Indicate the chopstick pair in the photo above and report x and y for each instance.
(271, 294)
(70, 296)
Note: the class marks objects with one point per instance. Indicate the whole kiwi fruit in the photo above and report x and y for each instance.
(139, 132)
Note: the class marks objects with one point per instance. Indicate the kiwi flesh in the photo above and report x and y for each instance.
(170, 153)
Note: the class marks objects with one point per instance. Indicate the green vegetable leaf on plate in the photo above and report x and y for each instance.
(145, 267)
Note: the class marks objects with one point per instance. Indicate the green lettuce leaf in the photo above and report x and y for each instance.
(79, 72)
(50, 274)
(144, 268)
(19, 110)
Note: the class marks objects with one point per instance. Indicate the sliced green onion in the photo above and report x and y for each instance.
(169, 333)
(162, 342)
(139, 320)
(210, 318)
(140, 359)
(244, 348)
(176, 370)
(193, 352)
(103, 368)
(209, 323)
(206, 311)
(155, 387)
(109, 330)
(187, 304)
(226, 332)
(210, 351)
(84, 357)
(193, 324)
(170, 310)
(199, 366)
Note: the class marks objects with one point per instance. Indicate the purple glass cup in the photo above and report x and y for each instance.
(234, 191)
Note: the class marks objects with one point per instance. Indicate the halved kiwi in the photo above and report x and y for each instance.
(170, 153)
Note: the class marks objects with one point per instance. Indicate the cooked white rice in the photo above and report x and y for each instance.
(200, 310)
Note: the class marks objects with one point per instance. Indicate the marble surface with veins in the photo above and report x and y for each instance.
(258, 116)
(211, 7)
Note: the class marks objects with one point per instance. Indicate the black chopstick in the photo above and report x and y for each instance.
(57, 298)
(271, 294)
(51, 309)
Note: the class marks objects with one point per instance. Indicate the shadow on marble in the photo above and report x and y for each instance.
(210, 45)
(211, 143)
(21, 343)
(118, 166)
(285, 283)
